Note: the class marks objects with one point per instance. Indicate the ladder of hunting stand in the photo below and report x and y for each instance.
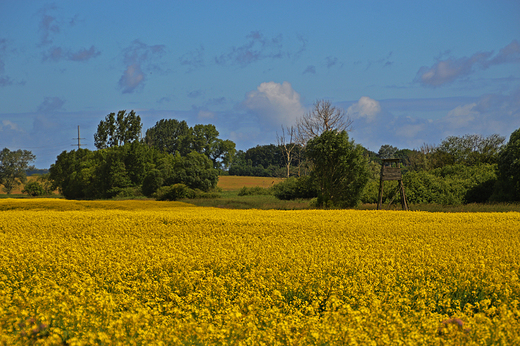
(391, 173)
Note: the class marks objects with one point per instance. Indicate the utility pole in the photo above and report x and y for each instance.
(79, 139)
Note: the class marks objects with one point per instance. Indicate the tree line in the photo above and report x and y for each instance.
(316, 155)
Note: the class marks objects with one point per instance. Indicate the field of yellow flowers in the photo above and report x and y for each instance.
(168, 273)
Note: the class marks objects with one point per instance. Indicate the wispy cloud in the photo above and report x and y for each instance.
(193, 59)
(51, 104)
(258, 47)
(56, 54)
(139, 59)
(448, 70)
(275, 104)
(50, 26)
(310, 69)
(4, 79)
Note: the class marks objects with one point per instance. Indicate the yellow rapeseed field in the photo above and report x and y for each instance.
(166, 273)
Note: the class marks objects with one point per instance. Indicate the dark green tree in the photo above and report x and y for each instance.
(118, 130)
(468, 150)
(340, 169)
(170, 135)
(13, 165)
(507, 187)
(387, 152)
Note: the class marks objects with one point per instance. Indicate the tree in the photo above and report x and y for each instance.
(286, 142)
(170, 135)
(340, 169)
(387, 152)
(468, 150)
(324, 117)
(507, 187)
(116, 131)
(13, 165)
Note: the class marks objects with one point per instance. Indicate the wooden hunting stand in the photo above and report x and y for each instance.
(388, 172)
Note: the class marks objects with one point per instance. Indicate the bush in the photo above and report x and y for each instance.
(174, 192)
(292, 188)
(34, 189)
(125, 192)
(255, 190)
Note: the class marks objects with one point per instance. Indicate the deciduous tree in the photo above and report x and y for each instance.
(340, 169)
(118, 130)
(13, 165)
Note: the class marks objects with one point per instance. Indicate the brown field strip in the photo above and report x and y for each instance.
(231, 183)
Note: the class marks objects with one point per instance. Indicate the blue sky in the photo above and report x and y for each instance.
(406, 72)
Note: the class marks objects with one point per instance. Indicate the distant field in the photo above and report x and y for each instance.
(231, 183)
(18, 189)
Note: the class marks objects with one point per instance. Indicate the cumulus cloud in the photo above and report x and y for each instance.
(51, 104)
(275, 104)
(139, 59)
(448, 70)
(366, 108)
(204, 115)
(492, 113)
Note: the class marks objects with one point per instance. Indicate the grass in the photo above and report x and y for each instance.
(230, 186)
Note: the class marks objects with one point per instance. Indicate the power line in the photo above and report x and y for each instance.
(79, 140)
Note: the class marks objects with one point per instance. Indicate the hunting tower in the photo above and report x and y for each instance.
(391, 170)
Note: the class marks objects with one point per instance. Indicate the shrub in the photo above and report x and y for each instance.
(292, 188)
(174, 192)
(255, 190)
(34, 189)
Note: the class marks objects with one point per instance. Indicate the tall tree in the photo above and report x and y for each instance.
(118, 130)
(13, 165)
(170, 135)
(323, 117)
(340, 169)
(508, 184)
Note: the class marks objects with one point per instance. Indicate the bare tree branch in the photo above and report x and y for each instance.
(324, 117)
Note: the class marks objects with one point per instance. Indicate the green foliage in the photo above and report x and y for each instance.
(451, 185)
(174, 137)
(508, 183)
(340, 169)
(121, 171)
(468, 150)
(118, 130)
(294, 188)
(174, 192)
(13, 165)
(170, 136)
(152, 182)
(253, 191)
(34, 189)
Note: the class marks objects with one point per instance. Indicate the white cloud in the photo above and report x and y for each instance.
(366, 108)
(9, 126)
(205, 114)
(449, 70)
(275, 104)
